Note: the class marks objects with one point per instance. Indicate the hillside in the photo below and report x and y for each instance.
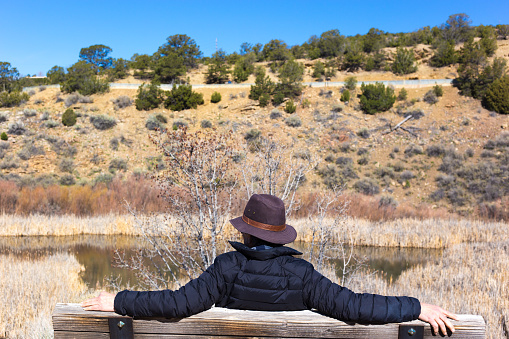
(397, 161)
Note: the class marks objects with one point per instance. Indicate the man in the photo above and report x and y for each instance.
(264, 275)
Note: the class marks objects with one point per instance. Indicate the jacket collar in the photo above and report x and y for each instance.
(265, 254)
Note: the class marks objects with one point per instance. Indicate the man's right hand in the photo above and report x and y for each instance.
(437, 317)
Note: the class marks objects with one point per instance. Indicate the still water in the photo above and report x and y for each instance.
(96, 254)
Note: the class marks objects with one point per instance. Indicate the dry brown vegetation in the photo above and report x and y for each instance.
(30, 288)
(469, 279)
(84, 200)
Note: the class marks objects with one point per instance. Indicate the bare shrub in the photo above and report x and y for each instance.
(153, 124)
(336, 108)
(399, 166)
(206, 123)
(344, 161)
(275, 113)
(96, 159)
(435, 151)
(386, 201)
(364, 160)
(430, 97)
(83, 99)
(27, 112)
(293, 121)
(103, 122)
(179, 123)
(45, 116)
(345, 147)
(274, 168)
(155, 163)
(29, 150)
(4, 146)
(118, 164)
(326, 216)
(406, 175)
(67, 180)
(198, 187)
(444, 180)
(66, 165)
(367, 186)
(51, 123)
(437, 195)
(362, 151)
(9, 163)
(336, 177)
(413, 150)
(252, 134)
(4, 116)
(385, 171)
(363, 133)
(61, 147)
(488, 154)
(70, 100)
(457, 196)
(161, 118)
(122, 101)
(325, 93)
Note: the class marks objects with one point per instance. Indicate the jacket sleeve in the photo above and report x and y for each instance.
(339, 302)
(196, 296)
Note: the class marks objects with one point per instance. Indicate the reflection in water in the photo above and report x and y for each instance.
(96, 254)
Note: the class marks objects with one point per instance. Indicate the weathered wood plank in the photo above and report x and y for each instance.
(80, 335)
(225, 323)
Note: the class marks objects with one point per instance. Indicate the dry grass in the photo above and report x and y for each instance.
(35, 225)
(469, 279)
(31, 288)
(428, 233)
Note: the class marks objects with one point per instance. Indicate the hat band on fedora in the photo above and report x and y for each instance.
(263, 226)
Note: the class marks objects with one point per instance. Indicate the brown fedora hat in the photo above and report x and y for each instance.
(264, 217)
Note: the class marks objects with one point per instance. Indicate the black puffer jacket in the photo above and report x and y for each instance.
(269, 280)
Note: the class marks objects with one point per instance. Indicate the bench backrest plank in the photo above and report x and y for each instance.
(70, 320)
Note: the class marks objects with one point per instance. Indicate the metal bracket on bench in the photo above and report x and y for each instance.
(410, 332)
(121, 328)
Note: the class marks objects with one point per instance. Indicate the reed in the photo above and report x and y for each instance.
(31, 288)
(52, 225)
(428, 233)
(470, 278)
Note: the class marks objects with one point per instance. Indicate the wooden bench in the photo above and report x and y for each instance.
(71, 321)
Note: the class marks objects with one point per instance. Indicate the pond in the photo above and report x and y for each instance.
(96, 254)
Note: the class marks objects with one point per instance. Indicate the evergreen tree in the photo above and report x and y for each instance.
(8, 75)
(263, 86)
(445, 55)
(56, 75)
(169, 68)
(97, 55)
(218, 72)
(404, 62)
(184, 47)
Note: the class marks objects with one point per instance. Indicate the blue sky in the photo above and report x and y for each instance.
(37, 35)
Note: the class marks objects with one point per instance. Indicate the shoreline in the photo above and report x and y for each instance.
(411, 233)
